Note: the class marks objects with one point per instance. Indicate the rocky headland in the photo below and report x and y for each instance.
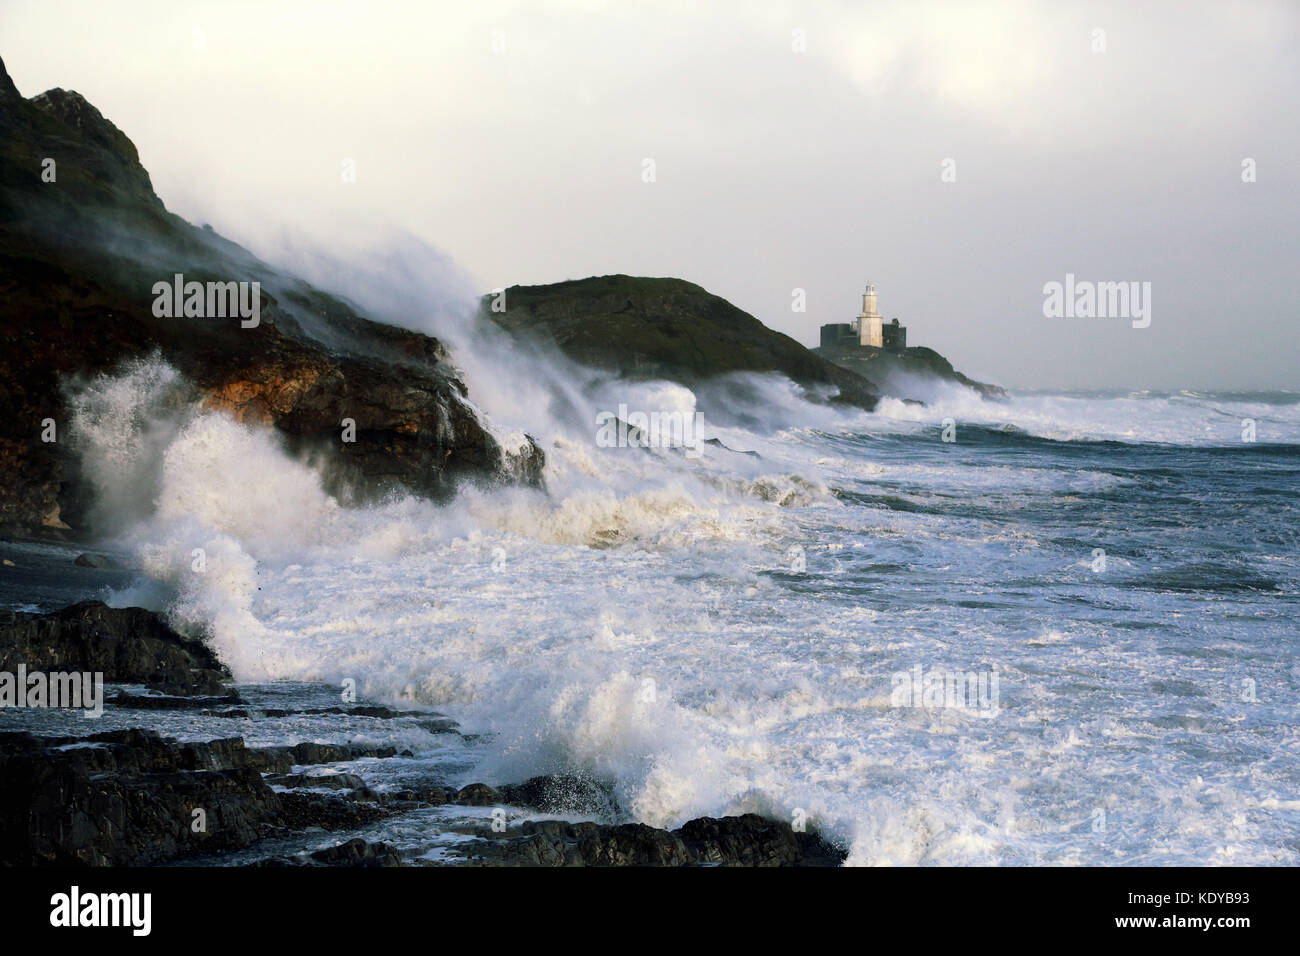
(83, 241)
(641, 328)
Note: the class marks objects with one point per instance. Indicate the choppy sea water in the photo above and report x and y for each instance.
(731, 633)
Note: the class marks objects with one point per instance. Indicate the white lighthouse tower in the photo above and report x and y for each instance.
(870, 326)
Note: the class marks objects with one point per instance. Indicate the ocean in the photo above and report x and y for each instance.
(1065, 636)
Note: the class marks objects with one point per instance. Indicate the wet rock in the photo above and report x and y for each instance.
(553, 843)
(305, 809)
(479, 795)
(366, 710)
(323, 781)
(382, 713)
(558, 795)
(353, 853)
(440, 725)
(434, 796)
(270, 759)
(134, 751)
(100, 561)
(127, 645)
(358, 853)
(748, 840)
(312, 753)
(170, 702)
(128, 797)
(119, 802)
(284, 759)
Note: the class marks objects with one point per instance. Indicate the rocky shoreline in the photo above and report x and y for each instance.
(134, 796)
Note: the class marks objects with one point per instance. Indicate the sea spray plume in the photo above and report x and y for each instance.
(395, 274)
(926, 391)
(769, 403)
(160, 458)
(85, 256)
(151, 450)
(523, 383)
(400, 279)
(121, 426)
(522, 389)
(1137, 418)
(528, 387)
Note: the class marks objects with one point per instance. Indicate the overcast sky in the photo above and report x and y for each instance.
(513, 138)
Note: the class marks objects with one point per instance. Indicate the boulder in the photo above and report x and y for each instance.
(560, 794)
(353, 853)
(127, 645)
(99, 561)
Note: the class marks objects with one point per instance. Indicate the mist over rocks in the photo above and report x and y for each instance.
(83, 241)
(640, 328)
(904, 372)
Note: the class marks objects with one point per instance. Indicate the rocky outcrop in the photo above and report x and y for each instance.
(897, 371)
(747, 840)
(355, 853)
(559, 794)
(125, 798)
(100, 562)
(82, 243)
(131, 797)
(651, 328)
(126, 645)
(635, 327)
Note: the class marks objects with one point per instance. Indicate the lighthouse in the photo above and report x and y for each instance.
(867, 331)
(870, 325)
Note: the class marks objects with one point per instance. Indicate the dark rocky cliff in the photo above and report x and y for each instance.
(78, 260)
(638, 327)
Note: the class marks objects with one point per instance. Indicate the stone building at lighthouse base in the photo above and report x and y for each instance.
(878, 351)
